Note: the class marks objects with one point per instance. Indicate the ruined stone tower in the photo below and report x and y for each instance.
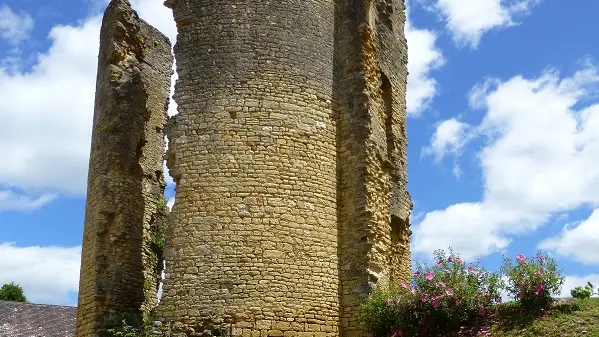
(373, 206)
(289, 158)
(121, 254)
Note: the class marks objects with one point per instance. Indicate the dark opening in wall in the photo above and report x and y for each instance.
(396, 229)
(385, 9)
(387, 93)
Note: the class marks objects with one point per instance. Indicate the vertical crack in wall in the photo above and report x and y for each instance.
(120, 268)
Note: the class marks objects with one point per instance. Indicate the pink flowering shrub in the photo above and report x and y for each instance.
(532, 281)
(441, 297)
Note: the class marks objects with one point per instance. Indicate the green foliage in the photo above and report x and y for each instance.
(12, 292)
(162, 204)
(158, 239)
(533, 281)
(441, 297)
(585, 292)
(125, 330)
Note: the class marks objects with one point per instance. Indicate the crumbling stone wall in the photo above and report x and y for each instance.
(252, 236)
(373, 204)
(289, 158)
(121, 254)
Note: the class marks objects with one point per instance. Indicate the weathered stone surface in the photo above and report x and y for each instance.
(121, 260)
(373, 205)
(253, 232)
(289, 157)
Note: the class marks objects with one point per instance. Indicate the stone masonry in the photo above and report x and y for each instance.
(121, 256)
(373, 206)
(289, 157)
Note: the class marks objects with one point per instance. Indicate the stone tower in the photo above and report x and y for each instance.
(253, 231)
(121, 254)
(289, 158)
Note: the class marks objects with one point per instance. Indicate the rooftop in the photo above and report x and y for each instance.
(36, 320)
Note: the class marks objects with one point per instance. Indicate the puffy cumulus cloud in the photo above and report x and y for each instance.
(579, 242)
(11, 201)
(449, 138)
(14, 27)
(47, 111)
(423, 57)
(469, 20)
(47, 274)
(540, 159)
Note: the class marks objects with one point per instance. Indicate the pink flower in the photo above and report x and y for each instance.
(541, 259)
(421, 321)
(417, 272)
(481, 309)
(539, 289)
(429, 276)
(442, 284)
(458, 302)
(487, 294)
(450, 259)
(438, 265)
(539, 272)
(404, 285)
(460, 260)
(424, 299)
(449, 292)
(520, 258)
(469, 269)
(398, 299)
(389, 302)
(498, 300)
(436, 303)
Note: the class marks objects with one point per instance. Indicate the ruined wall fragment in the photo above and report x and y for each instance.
(121, 262)
(373, 204)
(252, 234)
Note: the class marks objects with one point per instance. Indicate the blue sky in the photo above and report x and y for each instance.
(503, 132)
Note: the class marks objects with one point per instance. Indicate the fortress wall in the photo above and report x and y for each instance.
(373, 205)
(393, 60)
(252, 236)
(121, 263)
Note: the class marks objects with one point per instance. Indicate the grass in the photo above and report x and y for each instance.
(567, 317)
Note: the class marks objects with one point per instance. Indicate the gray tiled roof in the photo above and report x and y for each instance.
(36, 320)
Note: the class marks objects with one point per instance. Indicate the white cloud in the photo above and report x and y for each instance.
(449, 138)
(47, 112)
(579, 243)
(423, 57)
(14, 27)
(540, 159)
(468, 20)
(573, 281)
(10, 201)
(47, 274)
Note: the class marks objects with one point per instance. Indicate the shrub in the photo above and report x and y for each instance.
(532, 281)
(12, 292)
(441, 297)
(583, 293)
